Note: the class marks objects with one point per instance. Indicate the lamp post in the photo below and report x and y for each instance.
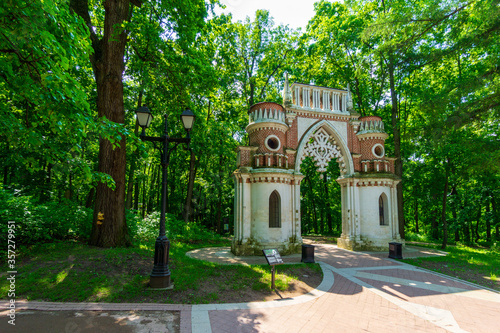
(160, 276)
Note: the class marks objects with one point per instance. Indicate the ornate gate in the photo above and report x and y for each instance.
(321, 123)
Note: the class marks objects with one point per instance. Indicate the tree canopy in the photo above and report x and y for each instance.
(72, 73)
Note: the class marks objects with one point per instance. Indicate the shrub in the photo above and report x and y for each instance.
(420, 237)
(149, 227)
(51, 221)
(42, 222)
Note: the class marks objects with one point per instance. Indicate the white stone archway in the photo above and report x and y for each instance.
(318, 122)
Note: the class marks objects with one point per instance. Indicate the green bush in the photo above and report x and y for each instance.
(191, 232)
(420, 237)
(45, 222)
(132, 219)
(42, 222)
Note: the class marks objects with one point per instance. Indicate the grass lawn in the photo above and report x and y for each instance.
(477, 265)
(75, 272)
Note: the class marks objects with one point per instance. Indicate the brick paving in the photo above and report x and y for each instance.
(361, 292)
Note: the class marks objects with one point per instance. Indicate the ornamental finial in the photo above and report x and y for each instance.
(287, 95)
(350, 106)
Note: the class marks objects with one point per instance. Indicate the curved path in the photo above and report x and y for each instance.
(360, 292)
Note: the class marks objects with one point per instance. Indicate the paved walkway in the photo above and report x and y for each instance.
(360, 292)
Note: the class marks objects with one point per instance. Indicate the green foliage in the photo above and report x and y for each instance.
(337, 55)
(36, 223)
(418, 237)
(43, 55)
(439, 64)
(191, 232)
(320, 199)
(443, 57)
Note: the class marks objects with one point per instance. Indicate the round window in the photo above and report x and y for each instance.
(272, 142)
(378, 150)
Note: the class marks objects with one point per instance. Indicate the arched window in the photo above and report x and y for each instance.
(382, 209)
(274, 210)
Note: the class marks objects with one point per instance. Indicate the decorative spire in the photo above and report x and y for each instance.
(287, 95)
(350, 106)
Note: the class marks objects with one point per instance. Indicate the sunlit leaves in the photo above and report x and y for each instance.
(41, 45)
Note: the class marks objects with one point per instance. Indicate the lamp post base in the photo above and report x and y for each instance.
(160, 276)
(159, 282)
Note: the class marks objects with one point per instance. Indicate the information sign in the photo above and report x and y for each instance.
(272, 256)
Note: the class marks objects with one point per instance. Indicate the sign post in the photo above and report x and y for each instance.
(273, 258)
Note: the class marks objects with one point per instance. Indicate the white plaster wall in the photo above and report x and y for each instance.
(260, 213)
(369, 211)
(341, 127)
(303, 125)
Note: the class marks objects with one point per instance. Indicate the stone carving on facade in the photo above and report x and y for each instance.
(322, 149)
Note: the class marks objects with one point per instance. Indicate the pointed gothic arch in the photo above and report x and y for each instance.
(327, 143)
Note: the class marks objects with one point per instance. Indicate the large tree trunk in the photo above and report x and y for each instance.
(108, 65)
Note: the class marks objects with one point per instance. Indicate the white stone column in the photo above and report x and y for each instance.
(237, 211)
(306, 100)
(350, 211)
(356, 211)
(316, 99)
(344, 207)
(295, 188)
(394, 212)
(297, 96)
(246, 205)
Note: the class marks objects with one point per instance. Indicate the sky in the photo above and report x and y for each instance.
(294, 13)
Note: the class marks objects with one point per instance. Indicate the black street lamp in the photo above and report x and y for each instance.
(160, 276)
